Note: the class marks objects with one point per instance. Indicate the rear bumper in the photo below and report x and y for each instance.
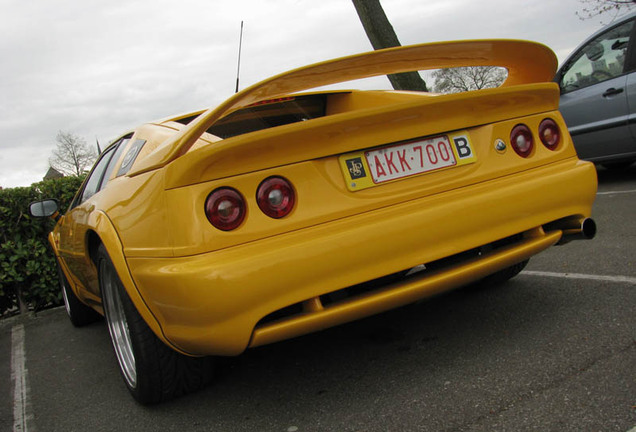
(210, 304)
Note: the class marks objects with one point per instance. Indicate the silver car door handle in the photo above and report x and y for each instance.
(612, 91)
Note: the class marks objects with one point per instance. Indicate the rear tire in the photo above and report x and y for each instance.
(152, 371)
(79, 314)
(617, 165)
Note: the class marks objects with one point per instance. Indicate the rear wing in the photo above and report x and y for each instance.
(526, 62)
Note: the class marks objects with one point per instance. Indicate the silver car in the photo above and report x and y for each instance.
(598, 94)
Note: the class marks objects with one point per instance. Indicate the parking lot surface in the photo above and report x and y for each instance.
(552, 350)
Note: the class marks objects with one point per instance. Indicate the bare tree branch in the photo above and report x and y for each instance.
(72, 156)
(595, 8)
(462, 79)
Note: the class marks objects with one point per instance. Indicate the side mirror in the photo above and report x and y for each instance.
(45, 208)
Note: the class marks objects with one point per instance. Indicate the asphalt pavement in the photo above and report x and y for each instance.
(552, 350)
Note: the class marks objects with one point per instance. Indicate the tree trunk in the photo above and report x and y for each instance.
(381, 35)
(24, 308)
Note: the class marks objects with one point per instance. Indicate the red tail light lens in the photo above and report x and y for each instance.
(521, 140)
(225, 209)
(549, 134)
(276, 197)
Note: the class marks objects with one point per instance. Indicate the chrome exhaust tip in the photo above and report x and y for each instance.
(583, 229)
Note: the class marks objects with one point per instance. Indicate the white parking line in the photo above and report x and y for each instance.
(615, 193)
(21, 407)
(618, 279)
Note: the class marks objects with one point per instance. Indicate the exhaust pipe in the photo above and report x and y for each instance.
(576, 229)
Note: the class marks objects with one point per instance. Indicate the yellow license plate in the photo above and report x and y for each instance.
(368, 168)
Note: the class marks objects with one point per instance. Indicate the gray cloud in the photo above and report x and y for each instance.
(98, 68)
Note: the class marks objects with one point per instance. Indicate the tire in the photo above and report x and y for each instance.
(152, 371)
(617, 165)
(79, 314)
(502, 275)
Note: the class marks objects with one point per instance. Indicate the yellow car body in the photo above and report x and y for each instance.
(205, 291)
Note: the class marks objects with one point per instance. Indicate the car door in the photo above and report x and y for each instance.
(594, 100)
(74, 225)
(631, 101)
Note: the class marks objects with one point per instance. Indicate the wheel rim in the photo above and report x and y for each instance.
(118, 325)
(65, 297)
(63, 286)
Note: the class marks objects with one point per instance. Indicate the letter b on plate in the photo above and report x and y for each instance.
(463, 147)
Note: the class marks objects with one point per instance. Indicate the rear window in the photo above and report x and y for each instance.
(267, 114)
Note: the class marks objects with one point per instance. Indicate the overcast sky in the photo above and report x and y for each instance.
(98, 68)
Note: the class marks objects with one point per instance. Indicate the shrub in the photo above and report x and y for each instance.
(28, 275)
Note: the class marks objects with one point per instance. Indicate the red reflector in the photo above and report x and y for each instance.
(225, 209)
(549, 134)
(276, 197)
(521, 140)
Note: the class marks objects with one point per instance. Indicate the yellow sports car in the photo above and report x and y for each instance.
(283, 212)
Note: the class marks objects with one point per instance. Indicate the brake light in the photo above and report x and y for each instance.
(521, 140)
(276, 197)
(549, 134)
(225, 209)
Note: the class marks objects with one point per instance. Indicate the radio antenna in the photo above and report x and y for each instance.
(238, 68)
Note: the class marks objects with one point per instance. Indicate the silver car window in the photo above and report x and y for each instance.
(601, 59)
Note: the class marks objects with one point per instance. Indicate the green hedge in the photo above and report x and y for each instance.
(28, 275)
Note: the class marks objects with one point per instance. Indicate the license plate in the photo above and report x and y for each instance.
(404, 160)
(393, 162)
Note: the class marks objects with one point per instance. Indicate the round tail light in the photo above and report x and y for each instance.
(521, 140)
(276, 197)
(225, 209)
(549, 134)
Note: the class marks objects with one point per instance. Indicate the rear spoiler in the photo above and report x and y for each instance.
(527, 62)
